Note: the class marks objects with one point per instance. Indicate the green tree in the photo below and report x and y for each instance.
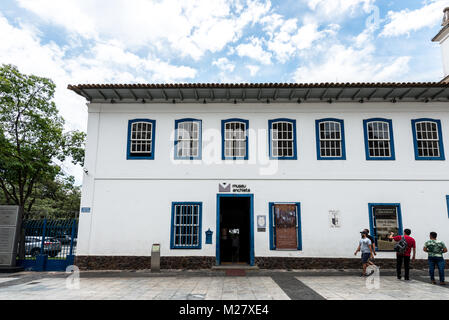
(59, 198)
(32, 137)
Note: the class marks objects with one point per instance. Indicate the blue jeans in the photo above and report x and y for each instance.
(439, 261)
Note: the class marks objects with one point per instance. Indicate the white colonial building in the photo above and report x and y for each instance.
(259, 173)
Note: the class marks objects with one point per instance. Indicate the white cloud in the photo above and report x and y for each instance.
(332, 7)
(356, 63)
(224, 64)
(289, 40)
(103, 62)
(334, 10)
(254, 50)
(405, 21)
(253, 69)
(190, 27)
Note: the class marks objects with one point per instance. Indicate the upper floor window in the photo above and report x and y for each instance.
(141, 139)
(282, 138)
(379, 143)
(186, 225)
(427, 139)
(235, 139)
(330, 137)
(188, 139)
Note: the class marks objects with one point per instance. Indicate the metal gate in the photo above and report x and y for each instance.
(48, 245)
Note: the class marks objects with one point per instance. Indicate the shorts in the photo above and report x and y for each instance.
(365, 257)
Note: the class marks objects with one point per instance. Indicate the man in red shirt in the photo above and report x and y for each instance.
(411, 244)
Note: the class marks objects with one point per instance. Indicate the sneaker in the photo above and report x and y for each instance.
(433, 282)
(442, 283)
(407, 279)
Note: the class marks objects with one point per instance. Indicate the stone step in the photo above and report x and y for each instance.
(245, 267)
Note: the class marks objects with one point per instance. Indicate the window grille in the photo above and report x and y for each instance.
(188, 139)
(186, 225)
(235, 139)
(282, 139)
(379, 136)
(330, 135)
(141, 139)
(427, 139)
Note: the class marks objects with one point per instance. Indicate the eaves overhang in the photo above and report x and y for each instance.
(263, 92)
(444, 32)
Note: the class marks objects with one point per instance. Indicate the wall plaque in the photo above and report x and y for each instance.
(261, 223)
(10, 218)
(334, 219)
(234, 188)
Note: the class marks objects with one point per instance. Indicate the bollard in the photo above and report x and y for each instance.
(156, 257)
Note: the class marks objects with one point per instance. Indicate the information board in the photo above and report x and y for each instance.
(285, 220)
(10, 218)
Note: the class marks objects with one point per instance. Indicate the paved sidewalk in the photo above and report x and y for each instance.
(212, 285)
(389, 288)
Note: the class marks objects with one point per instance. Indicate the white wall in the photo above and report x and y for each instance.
(445, 53)
(130, 200)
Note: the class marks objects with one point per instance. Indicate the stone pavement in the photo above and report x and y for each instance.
(213, 285)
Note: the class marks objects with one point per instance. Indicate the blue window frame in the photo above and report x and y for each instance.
(234, 141)
(186, 220)
(141, 139)
(379, 141)
(383, 219)
(188, 139)
(330, 139)
(293, 218)
(282, 139)
(447, 203)
(427, 139)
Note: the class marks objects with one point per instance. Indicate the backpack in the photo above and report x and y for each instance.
(401, 246)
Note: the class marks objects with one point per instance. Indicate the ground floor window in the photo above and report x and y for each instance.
(285, 226)
(186, 225)
(447, 203)
(384, 219)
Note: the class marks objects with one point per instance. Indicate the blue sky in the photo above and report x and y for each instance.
(122, 41)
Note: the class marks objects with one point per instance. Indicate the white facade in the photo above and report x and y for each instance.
(442, 38)
(130, 200)
(445, 54)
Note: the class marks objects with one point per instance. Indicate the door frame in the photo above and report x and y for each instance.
(251, 224)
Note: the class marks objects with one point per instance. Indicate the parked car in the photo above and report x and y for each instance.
(52, 247)
(64, 239)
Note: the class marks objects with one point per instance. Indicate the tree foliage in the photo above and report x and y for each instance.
(32, 137)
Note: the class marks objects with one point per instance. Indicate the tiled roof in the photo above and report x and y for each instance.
(256, 85)
(222, 92)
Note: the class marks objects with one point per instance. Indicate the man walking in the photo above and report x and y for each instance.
(435, 250)
(366, 248)
(373, 245)
(404, 256)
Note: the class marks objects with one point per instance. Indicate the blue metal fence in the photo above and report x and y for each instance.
(49, 245)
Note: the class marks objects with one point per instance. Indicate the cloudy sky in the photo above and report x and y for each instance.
(128, 41)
